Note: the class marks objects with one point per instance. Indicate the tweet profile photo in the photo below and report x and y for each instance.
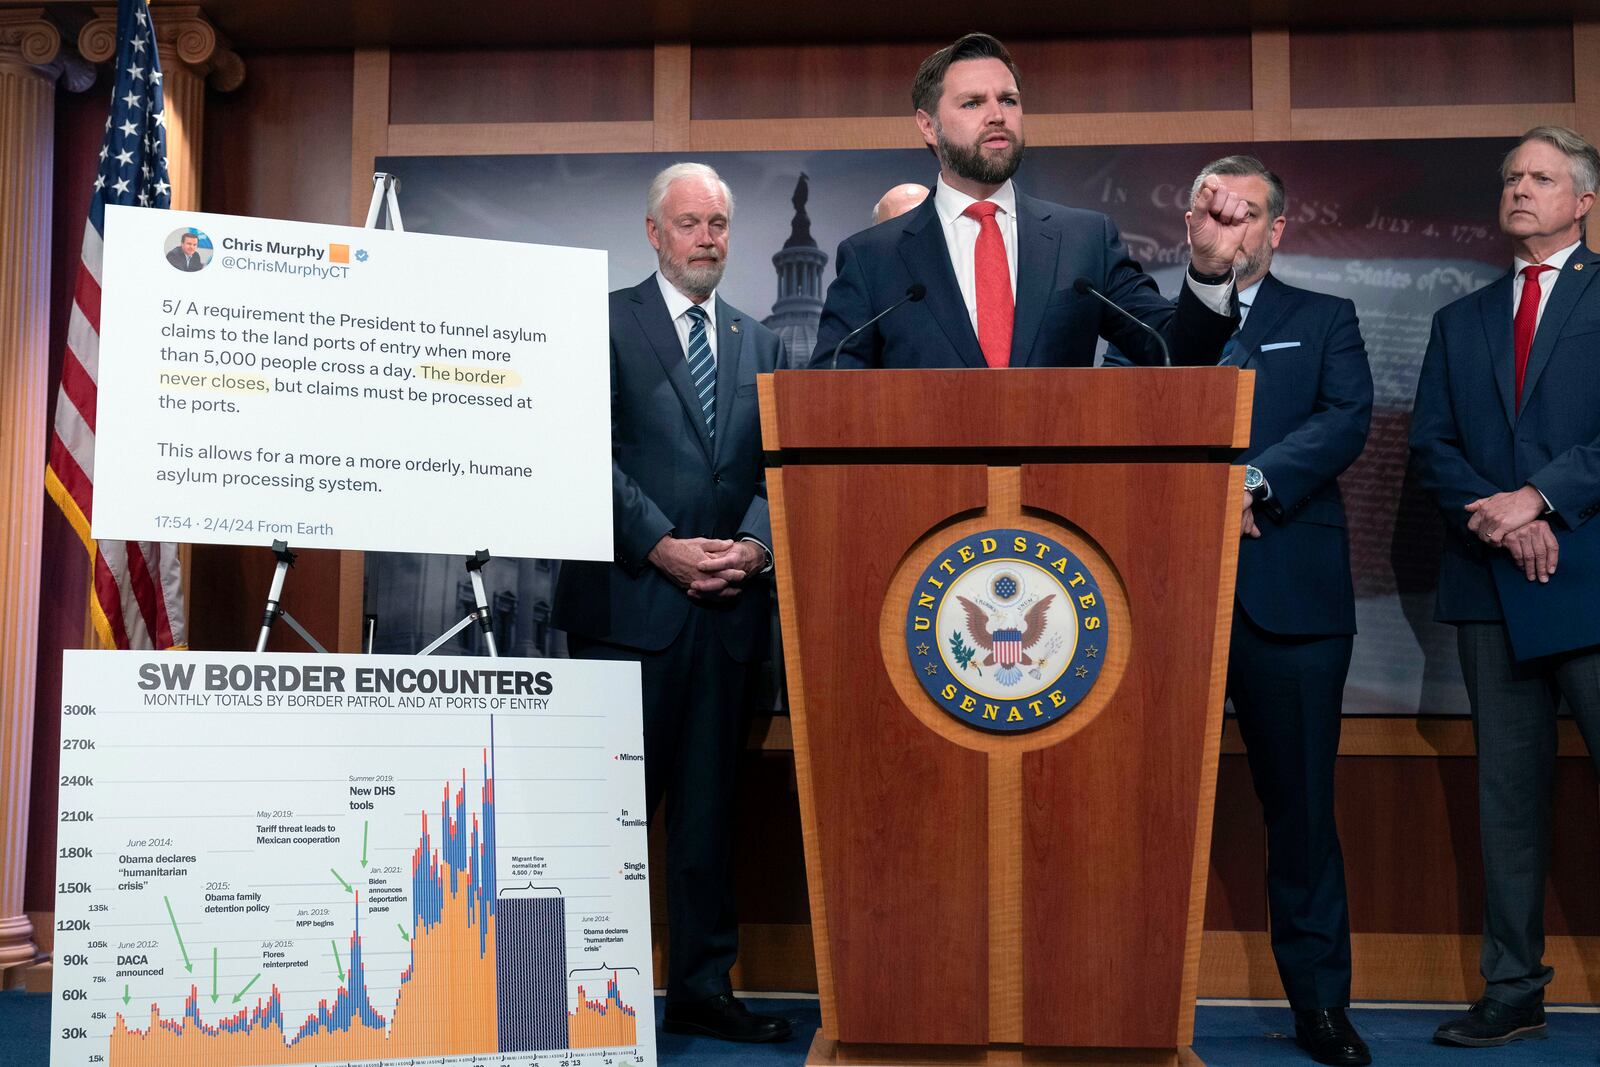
(188, 249)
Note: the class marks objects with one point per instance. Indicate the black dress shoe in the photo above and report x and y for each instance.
(1328, 1036)
(1489, 1022)
(723, 1016)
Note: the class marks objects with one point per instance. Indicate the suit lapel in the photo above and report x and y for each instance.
(651, 312)
(1494, 306)
(1267, 310)
(1037, 252)
(927, 258)
(1575, 277)
(730, 347)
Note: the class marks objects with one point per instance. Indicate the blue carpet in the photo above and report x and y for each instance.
(677, 1050)
(1224, 1037)
(1256, 1034)
(24, 1029)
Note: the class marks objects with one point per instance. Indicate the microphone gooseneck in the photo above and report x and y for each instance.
(1084, 287)
(914, 292)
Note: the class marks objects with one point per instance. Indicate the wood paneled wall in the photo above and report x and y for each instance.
(1059, 77)
(278, 147)
(1266, 84)
(1464, 65)
(299, 142)
(508, 85)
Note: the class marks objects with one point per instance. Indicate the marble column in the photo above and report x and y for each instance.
(29, 50)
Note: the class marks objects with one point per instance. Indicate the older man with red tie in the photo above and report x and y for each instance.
(1506, 437)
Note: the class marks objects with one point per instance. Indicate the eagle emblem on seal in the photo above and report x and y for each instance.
(1007, 632)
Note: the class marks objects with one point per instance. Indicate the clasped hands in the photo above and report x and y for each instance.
(1511, 521)
(707, 568)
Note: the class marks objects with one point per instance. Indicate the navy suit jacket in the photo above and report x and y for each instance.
(183, 263)
(1468, 440)
(669, 475)
(1054, 326)
(1313, 406)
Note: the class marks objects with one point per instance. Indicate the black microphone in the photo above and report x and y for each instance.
(914, 292)
(1084, 287)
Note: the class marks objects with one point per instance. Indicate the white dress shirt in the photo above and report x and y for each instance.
(961, 239)
(678, 307)
(1547, 279)
(1247, 297)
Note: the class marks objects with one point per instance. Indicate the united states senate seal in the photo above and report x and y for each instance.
(1007, 630)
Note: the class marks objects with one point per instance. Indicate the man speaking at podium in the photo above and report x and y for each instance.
(989, 272)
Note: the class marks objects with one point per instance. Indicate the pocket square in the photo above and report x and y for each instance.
(1278, 344)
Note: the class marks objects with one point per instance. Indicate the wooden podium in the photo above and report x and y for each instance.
(997, 880)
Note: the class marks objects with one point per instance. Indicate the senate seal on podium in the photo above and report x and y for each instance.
(1007, 630)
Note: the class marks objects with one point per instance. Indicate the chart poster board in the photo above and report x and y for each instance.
(351, 859)
(336, 387)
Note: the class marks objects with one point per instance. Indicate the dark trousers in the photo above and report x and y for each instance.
(695, 722)
(1514, 723)
(1288, 694)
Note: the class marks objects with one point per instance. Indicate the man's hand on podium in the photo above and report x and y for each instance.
(1216, 227)
(704, 567)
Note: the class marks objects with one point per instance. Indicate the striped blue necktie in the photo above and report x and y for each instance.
(703, 367)
(1233, 349)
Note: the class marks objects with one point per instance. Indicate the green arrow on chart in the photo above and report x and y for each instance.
(342, 882)
(213, 974)
(363, 845)
(336, 961)
(186, 964)
(402, 930)
(240, 995)
(125, 997)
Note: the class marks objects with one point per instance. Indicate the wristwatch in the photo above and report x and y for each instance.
(1255, 483)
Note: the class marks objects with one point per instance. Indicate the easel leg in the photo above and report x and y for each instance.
(275, 594)
(480, 610)
(275, 610)
(481, 601)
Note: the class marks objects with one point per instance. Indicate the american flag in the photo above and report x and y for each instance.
(136, 600)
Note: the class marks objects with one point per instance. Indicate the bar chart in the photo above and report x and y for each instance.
(277, 869)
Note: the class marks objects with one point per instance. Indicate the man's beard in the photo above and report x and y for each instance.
(693, 281)
(1249, 264)
(973, 164)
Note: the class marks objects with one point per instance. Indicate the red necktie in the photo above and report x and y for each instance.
(1527, 319)
(996, 308)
